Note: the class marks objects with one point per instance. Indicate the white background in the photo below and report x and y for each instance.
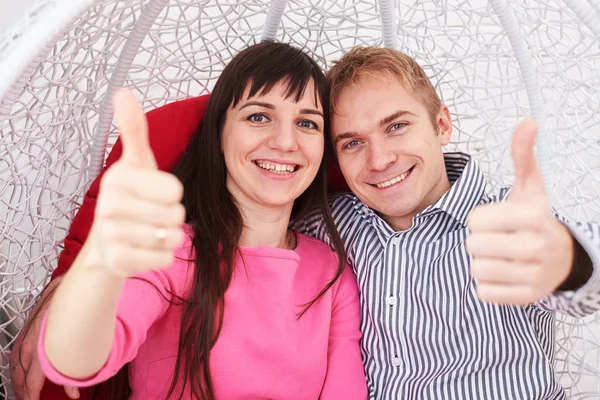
(12, 11)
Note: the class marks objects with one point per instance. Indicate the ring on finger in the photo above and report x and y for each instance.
(160, 236)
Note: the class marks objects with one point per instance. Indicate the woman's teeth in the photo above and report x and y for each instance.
(277, 168)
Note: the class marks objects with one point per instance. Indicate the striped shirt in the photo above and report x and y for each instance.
(426, 335)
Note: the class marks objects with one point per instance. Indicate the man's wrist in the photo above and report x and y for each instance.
(581, 269)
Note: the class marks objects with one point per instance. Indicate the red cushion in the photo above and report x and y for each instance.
(170, 128)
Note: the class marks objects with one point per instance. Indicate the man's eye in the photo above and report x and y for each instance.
(258, 118)
(351, 144)
(397, 126)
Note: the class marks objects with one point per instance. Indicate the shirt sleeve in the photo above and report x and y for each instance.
(143, 301)
(313, 225)
(345, 377)
(585, 300)
(347, 221)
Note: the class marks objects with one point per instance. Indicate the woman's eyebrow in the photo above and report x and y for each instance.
(311, 111)
(272, 107)
(258, 103)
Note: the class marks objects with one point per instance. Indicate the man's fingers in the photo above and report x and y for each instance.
(72, 392)
(521, 295)
(522, 246)
(501, 272)
(17, 382)
(17, 375)
(34, 382)
(507, 217)
(134, 130)
(21, 358)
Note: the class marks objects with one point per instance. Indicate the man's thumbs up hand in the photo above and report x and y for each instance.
(520, 252)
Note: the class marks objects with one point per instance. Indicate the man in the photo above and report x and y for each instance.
(457, 288)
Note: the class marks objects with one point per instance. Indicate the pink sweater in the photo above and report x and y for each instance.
(263, 351)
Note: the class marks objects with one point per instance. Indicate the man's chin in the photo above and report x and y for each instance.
(380, 207)
(390, 212)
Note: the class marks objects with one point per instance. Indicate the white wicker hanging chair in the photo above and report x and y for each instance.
(494, 63)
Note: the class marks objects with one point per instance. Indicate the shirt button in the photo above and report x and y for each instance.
(391, 301)
(395, 241)
(396, 361)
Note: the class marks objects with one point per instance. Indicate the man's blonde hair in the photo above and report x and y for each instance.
(373, 61)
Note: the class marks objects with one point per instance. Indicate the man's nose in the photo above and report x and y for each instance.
(380, 156)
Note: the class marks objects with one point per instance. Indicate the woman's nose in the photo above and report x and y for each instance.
(284, 138)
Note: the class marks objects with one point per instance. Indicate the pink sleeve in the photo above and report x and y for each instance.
(142, 302)
(345, 372)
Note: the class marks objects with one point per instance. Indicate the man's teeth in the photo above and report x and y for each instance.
(392, 181)
(277, 168)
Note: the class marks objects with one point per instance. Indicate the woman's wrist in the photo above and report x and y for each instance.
(90, 261)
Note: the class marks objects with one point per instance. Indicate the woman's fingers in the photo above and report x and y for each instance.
(117, 207)
(125, 260)
(146, 184)
(139, 234)
(138, 219)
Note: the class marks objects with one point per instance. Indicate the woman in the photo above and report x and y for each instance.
(234, 304)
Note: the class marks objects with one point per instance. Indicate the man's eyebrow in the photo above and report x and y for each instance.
(397, 114)
(384, 121)
(345, 135)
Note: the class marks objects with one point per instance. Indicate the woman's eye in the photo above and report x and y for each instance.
(258, 118)
(308, 124)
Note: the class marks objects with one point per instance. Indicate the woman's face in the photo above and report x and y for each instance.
(273, 146)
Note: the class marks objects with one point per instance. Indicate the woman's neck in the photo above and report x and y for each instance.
(265, 226)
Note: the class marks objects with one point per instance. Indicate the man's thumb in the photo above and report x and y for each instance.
(527, 172)
(72, 392)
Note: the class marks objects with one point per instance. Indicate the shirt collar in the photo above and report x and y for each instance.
(466, 192)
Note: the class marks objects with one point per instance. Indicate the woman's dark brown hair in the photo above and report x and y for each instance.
(213, 214)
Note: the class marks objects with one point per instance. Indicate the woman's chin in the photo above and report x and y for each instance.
(279, 202)
(279, 195)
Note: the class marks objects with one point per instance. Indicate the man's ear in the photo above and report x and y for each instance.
(444, 124)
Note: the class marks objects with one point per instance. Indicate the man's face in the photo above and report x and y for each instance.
(389, 150)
